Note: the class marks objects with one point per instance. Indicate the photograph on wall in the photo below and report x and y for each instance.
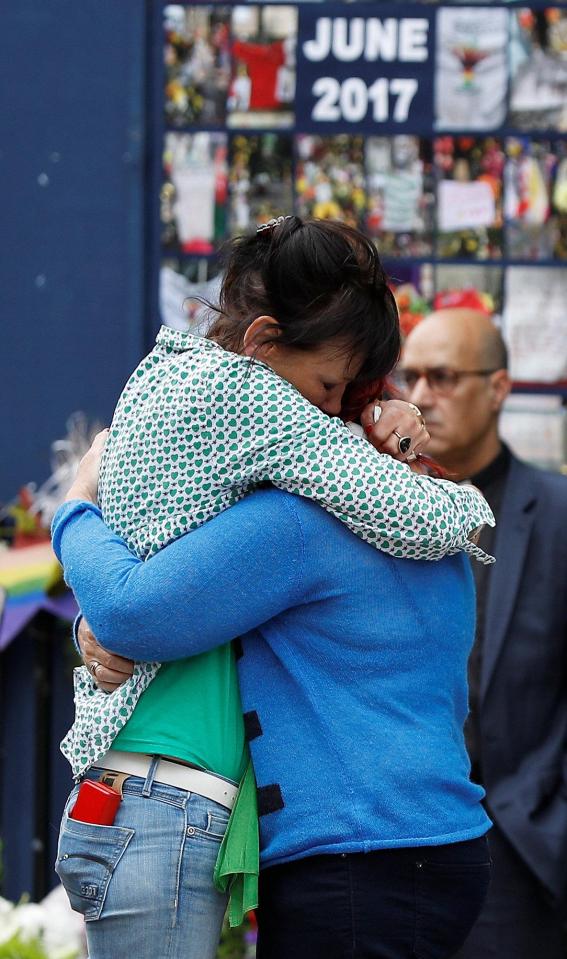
(262, 84)
(401, 197)
(185, 287)
(260, 179)
(538, 67)
(194, 192)
(469, 197)
(197, 65)
(471, 285)
(535, 198)
(329, 178)
(471, 68)
(534, 323)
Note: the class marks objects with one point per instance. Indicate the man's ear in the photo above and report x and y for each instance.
(501, 386)
(259, 329)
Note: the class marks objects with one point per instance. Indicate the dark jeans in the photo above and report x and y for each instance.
(415, 903)
(517, 920)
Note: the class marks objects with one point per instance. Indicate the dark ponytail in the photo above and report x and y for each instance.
(322, 281)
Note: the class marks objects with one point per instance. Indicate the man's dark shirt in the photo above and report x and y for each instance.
(491, 481)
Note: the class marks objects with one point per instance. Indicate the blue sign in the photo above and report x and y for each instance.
(367, 68)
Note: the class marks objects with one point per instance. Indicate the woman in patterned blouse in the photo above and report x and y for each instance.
(305, 316)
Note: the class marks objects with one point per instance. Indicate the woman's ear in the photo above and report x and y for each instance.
(259, 329)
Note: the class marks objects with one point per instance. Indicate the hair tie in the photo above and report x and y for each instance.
(271, 224)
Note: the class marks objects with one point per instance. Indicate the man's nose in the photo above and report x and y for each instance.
(421, 394)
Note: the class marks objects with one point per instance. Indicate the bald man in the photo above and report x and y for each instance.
(454, 368)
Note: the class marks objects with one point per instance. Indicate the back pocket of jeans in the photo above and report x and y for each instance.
(87, 856)
(449, 897)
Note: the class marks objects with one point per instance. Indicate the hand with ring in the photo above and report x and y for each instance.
(108, 671)
(397, 428)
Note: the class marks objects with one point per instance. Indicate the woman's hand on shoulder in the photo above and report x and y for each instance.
(85, 484)
(397, 428)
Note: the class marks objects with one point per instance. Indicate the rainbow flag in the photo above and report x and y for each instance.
(30, 579)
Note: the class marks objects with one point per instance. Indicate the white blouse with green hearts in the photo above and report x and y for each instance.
(195, 429)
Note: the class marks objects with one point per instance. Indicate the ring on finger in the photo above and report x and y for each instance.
(93, 666)
(404, 442)
(415, 409)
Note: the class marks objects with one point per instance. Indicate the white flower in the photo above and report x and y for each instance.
(8, 921)
(30, 918)
(52, 923)
(64, 930)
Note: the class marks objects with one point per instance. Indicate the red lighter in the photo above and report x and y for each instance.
(96, 803)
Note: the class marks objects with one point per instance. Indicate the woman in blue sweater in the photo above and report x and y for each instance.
(353, 682)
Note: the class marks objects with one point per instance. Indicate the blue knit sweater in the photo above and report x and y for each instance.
(353, 665)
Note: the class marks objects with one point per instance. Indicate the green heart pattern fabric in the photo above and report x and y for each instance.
(196, 429)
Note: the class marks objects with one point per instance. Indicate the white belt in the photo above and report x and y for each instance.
(172, 774)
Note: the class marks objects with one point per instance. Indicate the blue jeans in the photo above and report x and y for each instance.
(145, 884)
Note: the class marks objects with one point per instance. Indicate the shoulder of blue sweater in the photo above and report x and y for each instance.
(285, 506)
(295, 521)
(322, 548)
(321, 540)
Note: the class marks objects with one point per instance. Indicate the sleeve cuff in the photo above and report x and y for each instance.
(76, 625)
(63, 515)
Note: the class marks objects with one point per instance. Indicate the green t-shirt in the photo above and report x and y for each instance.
(192, 711)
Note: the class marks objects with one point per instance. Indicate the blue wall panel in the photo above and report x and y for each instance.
(72, 262)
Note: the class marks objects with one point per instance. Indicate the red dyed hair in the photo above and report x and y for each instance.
(359, 395)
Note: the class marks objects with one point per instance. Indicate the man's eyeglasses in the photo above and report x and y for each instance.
(440, 379)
